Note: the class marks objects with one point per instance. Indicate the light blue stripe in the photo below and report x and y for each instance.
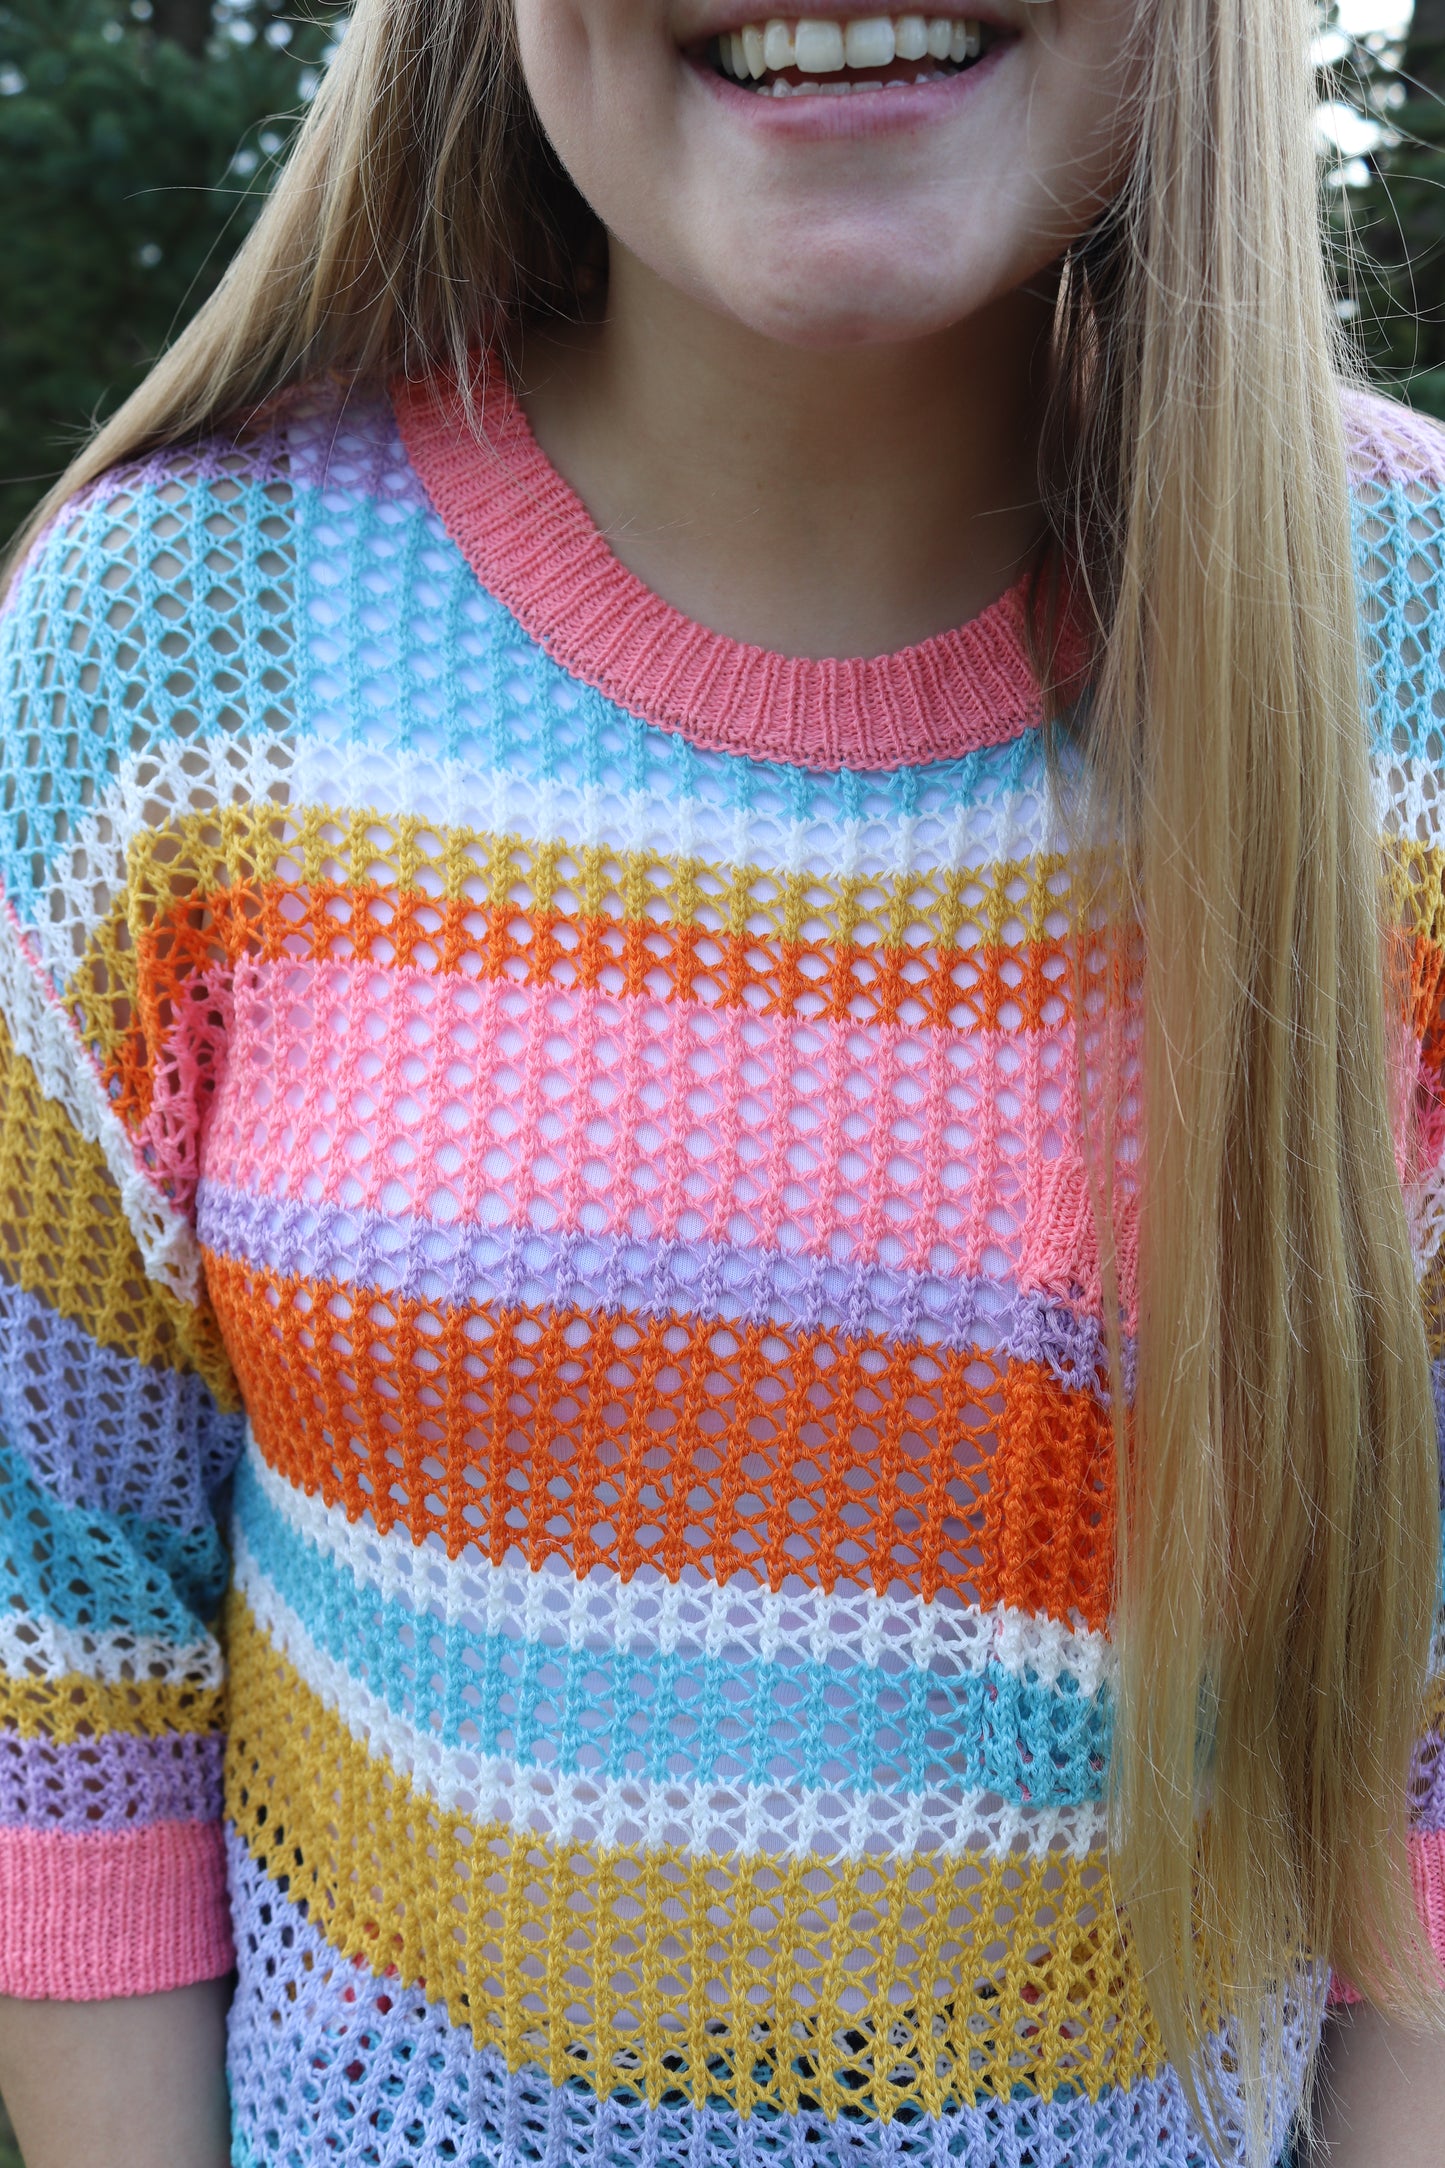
(103, 1571)
(366, 679)
(1403, 650)
(120, 670)
(508, 708)
(687, 1717)
(505, 706)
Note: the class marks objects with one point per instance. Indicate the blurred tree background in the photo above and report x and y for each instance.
(137, 139)
(1383, 138)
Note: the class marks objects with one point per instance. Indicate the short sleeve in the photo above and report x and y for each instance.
(134, 644)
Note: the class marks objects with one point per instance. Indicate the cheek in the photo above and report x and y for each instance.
(600, 74)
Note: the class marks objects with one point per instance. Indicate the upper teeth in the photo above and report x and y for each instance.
(820, 47)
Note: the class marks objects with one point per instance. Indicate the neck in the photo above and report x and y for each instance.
(816, 503)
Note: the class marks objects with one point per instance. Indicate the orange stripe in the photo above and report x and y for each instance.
(209, 889)
(1014, 986)
(618, 1440)
(1420, 964)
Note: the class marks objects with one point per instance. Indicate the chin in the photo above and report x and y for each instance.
(876, 299)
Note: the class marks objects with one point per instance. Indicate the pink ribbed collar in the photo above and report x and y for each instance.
(531, 542)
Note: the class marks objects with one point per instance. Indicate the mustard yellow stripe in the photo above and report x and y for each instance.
(1433, 1717)
(246, 848)
(64, 1237)
(70, 1708)
(250, 847)
(1415, 886)
(761, 1981)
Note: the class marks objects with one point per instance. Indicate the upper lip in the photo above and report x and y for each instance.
(719, 21)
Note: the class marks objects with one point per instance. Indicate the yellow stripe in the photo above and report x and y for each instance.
(251, 846)
(64, 1237)
(1415, 886)
(1433, 1718)
(71, 1708)
(763, 1982)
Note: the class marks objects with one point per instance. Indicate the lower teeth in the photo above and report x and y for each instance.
(780, 87)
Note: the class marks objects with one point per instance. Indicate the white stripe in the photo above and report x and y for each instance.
(342, 777)
(702, 1819)
(45, 1036)
(740, 1621)
(336, 771)
(1425, 1217)
(35, 1647)
(1407, 795)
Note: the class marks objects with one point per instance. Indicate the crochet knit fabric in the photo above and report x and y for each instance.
(556, 1490)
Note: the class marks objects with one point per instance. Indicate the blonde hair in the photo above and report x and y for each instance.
(1277, 1471)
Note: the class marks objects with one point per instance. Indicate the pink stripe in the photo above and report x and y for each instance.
(1427, 1872)
(132, 1912)
(1427, 1864)
(530, 540)
(416, 1095)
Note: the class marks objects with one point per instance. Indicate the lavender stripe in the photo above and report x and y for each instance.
(457, 1266)
(352, 449)
(101, 1431)
(207, 461)
(111, 1782)
(1427, 1784)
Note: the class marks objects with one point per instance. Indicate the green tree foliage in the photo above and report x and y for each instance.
(1388, 186)
(136, 141)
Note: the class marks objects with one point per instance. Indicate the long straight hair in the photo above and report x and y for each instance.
(1276, 1467)
(1277, 1460)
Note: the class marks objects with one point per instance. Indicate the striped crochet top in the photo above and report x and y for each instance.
(555, 1490)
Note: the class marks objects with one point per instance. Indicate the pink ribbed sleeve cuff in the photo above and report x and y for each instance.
(1427, 1870)
(132, 1912)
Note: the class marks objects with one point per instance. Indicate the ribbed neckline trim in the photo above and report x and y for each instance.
(532, 543)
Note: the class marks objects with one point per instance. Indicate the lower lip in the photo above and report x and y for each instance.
(816, 114)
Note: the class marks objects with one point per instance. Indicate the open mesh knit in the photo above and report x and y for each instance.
(588, 1198)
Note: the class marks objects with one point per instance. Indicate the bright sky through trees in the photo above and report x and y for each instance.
(1360, 17)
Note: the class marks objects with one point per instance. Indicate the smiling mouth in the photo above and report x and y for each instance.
(797, 57)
